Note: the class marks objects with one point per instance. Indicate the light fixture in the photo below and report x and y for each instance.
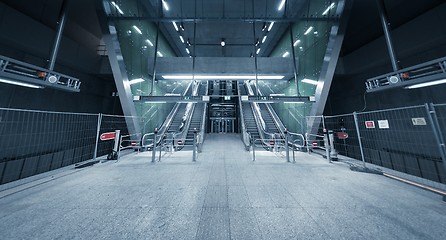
(222, 43)
(296, 42)
(294, 102)
(257, 42)
(270, 26)
(264, 39)
(117, 7)
(221, 77)
(258, 50)
(263, 27)
(426, 84)
(149, 42)
(182, 39)
(187, 50)
(159, 54)
(328, 9)
(20, 83)
(308, 30)
(301, 48)
(286, 54)
(309, 81)
(281, 5)
(165, 5)
(137, 29)
(188, 42)
(182, 26)
(175, 26)
(135, 81)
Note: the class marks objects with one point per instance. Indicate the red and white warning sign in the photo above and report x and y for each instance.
(107, 136)
(342, 135)
(180, 142)
(370, 124)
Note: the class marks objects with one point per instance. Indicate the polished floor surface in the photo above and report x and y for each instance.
(224, 195)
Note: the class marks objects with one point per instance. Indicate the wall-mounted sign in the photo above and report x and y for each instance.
(383, 124)
(419, 121)
(370, 124)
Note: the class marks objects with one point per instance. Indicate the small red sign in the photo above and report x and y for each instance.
(342, 135)
(370, 124)
(271, 142)
(108, 136)
(314, 144)
(180, 142)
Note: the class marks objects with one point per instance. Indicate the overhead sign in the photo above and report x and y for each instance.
(419, 121)
(107, 136)
(370, 124)
(342, 135)
(383, 124)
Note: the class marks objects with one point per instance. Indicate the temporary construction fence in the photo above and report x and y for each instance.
(408, 140)
(34, 142)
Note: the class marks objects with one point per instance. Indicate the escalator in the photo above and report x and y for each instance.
(195, 122)
(175, 126)
(249, 121)
(271, 126)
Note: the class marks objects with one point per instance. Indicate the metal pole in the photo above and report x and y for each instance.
(154, 145)
(433, 119)
(194, 155)
(287, 149)
(355, 115)
(253, 151)
(327, 145)
(95, 154)
(255, 52)
(385, 25)
(294, 59)
(156, 49)
(60, 27)
(161, 148)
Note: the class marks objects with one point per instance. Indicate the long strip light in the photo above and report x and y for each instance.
(137, 29)
(258, 50)
(296, 42)
(165, 5)
(117, 7)
(308, 30)
(221, 77)
(182, 39)
(286, 54)
(137, 80)
(187, 50)
(159, 54)
(309, 81)
(328, 9)
(175, 26)
(281, 5)
(426, 84)
(264, 39)
(149, 42)
(270, 26)
(20, 83)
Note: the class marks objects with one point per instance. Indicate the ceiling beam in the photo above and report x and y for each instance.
(226, 19)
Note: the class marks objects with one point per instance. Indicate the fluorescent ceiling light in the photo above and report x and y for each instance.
(187, 50)
(182, 39)
(295, 102)
(159, 54)
(264, 39)
(426, 84)
(149, 42)
(270, 26)
(165, 5)
(137, 80)
(175, 26)
(222, 43)
(328, 9)
(117, 7)
(258, 50)
(221, 77)
(137, 29)
(308, 30)
(296, 42)
(20, 83)
(286, 54)
(281, 5)
(309, 81)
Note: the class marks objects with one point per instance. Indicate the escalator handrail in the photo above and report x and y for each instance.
(190, 108)
(258, 117)
(245, 133)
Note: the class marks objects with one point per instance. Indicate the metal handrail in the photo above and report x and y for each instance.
(246, 137)
(258, 117)
(273, 114)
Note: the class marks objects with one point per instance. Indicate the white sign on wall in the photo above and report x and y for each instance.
(419, 121)
(383, 124)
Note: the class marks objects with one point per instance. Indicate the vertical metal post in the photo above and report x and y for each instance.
(194, 154)
(293, 55)
(255, 51)
(253, 150)
(161, 147)
(287, 149)
(60, 27)
(327, 145)
(154, 145)
(95, 154)
(433, 119)
(355, 115)
(385, 25)
(156, 48)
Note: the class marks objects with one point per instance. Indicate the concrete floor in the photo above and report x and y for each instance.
(224, 195)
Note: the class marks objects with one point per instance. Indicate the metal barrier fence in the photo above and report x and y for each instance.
(408, 140)
(33, 142)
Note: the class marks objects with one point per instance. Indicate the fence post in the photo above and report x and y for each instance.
(253, 150)
(194, 154)
(327, 145)
(154, 145)
(287, 149)
(433, 119)
(355, 115)
(95, 154)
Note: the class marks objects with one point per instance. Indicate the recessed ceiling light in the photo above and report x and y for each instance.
(182, 39)
(309, 81)
(137, 29)
(286, 54)
(426, 84)
(221, 77)
(296, 42)
(165, 5)
(175, 26)
(159, 54)
(258, 50)
(187, 50)
(264, 39)
(223, 43)
(281, 5)
(328, 9)
(117, 7)
(20, 83)
(270, 26)
(149, 42)
(308, 30)
(137, 80)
